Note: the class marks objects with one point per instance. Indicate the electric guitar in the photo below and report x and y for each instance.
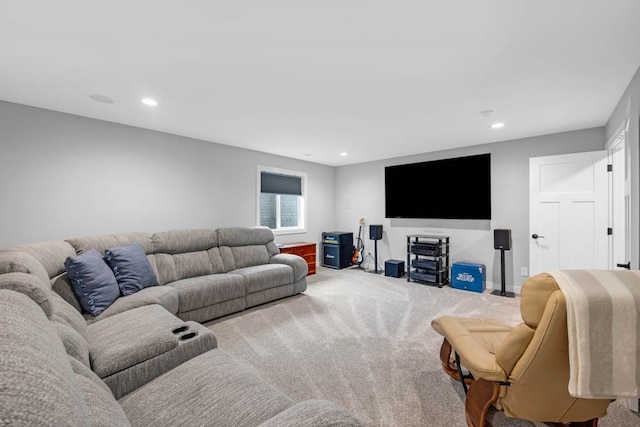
(359, 248)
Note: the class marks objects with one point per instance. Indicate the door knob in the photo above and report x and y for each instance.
(536, 236)
(627, 265)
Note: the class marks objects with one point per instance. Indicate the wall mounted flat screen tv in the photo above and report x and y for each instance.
(454, 188)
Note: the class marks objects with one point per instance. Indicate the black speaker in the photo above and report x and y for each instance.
(375, 232)
(394, 268)
(336, 256)
(502, 239)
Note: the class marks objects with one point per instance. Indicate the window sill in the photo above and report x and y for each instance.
(289, 231)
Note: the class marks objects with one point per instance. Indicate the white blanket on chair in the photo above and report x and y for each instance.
(603, 321)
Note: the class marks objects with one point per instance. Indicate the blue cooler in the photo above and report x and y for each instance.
(468, 276)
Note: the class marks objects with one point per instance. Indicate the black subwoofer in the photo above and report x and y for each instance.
(394, 268)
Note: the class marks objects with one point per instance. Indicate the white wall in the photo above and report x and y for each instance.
(360, 193)
(64, 176)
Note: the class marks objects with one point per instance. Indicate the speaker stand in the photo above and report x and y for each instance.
(375, 251)
(502, 292)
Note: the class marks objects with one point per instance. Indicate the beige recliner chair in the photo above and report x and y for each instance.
(522, 370)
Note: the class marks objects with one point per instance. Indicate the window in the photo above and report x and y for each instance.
(281, 200)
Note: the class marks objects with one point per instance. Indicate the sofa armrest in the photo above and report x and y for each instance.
(476, 349)
(314, 413)
(132, 348)
(299, 265)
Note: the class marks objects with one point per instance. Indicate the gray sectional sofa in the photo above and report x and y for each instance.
(203, 274)
(146, 359)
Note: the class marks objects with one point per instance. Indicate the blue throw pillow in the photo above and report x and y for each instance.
(131, 267)
(93, 281)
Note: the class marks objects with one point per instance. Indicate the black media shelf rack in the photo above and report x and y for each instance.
(428, 259)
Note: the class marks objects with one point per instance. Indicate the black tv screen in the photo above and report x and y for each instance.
(455, 188)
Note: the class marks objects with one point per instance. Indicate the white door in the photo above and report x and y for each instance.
(620, 211)
(620, 205)
(568, 212)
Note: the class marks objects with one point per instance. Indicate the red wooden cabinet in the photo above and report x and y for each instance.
(306, 250)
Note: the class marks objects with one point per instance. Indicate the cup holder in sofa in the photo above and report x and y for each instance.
(188, 336)
(180, 329)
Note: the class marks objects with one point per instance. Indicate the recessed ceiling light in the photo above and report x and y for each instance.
(343, 154)
(149, 101)
(101, 98)
(497, 125)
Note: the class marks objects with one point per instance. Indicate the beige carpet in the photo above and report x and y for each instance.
(365, 341)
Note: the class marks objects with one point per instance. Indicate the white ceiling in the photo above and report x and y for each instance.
(309, 79)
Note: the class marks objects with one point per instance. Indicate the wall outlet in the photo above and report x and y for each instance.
(524, 271)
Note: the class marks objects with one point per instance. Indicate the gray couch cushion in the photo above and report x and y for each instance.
(29, 285)
(203, 291)
(74, 344)
(299, 265)
(65, 313)
(260, 277)
(164, 296)
(211, 389)
(61, 285)
(103, 408)
(50, 254)
(106, 241)
(196, 340)
(192, 264)
(245, 236)
(183, 266)
(245, 246)
(183, 241)
(22, 262)
(132, 337)
(181, 254)
(80, 369)
(244, 256)
(36, 380)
